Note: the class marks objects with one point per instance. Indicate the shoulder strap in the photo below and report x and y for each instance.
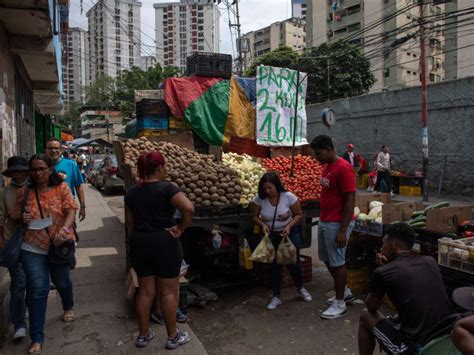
(25, 198)
(275, 214)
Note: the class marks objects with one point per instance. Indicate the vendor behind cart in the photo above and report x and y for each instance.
(278, 213)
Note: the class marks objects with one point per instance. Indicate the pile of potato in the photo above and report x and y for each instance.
(207, 183)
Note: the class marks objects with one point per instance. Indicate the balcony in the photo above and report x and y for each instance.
(33, 28)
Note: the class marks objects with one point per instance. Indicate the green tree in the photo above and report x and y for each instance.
(283, 57)
(102, 93)
(71, 121)
(137, 79)
(349, 72)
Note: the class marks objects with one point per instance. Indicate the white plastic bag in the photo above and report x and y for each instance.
(264, 252)
(286, 253)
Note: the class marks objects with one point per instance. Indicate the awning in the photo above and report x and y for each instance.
(82, 142)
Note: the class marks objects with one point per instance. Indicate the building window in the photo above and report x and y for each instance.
(408, 72)
(201, 48)
(354, 27)
(200, 14)
(386, 73)
(200, 21)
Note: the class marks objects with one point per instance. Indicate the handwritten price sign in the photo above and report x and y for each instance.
(276, 101)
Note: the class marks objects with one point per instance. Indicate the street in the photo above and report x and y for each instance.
(237, 323)
(240, 323)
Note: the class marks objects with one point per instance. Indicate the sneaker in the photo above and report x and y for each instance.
(181, 317)
(157, 318)
(305, 295)
(143, 341)
(20, 333)
(274, 303)
(348, 297)
(180, 339)
(392, 195)
(334, 311)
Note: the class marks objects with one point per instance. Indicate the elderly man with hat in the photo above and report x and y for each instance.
(18, 172)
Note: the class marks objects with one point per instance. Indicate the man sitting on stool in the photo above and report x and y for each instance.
(413, 284)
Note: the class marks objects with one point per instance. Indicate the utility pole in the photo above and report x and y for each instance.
(239, 34)
(424, 107)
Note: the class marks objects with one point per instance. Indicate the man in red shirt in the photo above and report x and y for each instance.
(335, 220)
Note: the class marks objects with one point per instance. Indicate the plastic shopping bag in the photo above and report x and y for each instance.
(264, 252)
(286, 253)
(244, 255)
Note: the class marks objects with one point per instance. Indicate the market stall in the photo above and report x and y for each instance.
(440, 229)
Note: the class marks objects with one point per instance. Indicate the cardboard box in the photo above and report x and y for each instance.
(393, 212)
(446, 220)
(363, 200)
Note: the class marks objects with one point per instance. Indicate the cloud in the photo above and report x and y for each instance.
(254, 14)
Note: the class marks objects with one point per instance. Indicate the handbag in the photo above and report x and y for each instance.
(62, 254)
(265, 251)
(10, 254)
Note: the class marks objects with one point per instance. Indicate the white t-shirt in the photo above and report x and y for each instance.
(283, 216)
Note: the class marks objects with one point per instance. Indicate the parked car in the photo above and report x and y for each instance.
(106, 177)
(93, 169)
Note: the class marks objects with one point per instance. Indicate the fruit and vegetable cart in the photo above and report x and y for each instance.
(221, 192)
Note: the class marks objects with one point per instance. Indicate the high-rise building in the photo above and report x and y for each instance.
(183, 28)
(298, 8)
(387, 33)
(290, 33)
(147, 62)
(76, 67)
(114, 37)
(459, 46)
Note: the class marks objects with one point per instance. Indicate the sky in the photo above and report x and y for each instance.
(254, 14)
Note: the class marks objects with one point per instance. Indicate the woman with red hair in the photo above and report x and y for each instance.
(155, 248)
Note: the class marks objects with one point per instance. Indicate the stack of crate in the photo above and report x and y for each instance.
(209, 64)
(152, 117)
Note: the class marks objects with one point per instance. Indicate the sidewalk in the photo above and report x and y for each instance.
(105, 321)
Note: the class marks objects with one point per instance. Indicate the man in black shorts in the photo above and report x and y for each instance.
(413, 284)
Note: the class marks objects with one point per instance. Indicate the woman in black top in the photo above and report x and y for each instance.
(155, 248)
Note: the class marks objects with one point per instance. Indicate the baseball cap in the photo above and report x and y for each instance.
(350, 145)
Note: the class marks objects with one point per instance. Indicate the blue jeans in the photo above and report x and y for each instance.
(17, 296)
(38, 270)
(295, 269)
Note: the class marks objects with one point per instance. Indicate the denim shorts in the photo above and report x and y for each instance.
(327, 249)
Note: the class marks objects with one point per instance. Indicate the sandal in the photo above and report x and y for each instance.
(68, 316)
(35, 348)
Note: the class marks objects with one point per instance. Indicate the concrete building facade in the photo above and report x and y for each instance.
(114, 37)
(147, 62)
(104, 124)
(290, 33)
(394, 57)
(299, 8)
(76, 69)
(30, 72)
(183, 28)
(459, 47)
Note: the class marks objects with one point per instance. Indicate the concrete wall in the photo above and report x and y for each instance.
(394, 118)
(7, 101)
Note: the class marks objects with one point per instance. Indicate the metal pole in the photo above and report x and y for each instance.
(239, 35)
(329, 81)
(424, 108)
(295, 119)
